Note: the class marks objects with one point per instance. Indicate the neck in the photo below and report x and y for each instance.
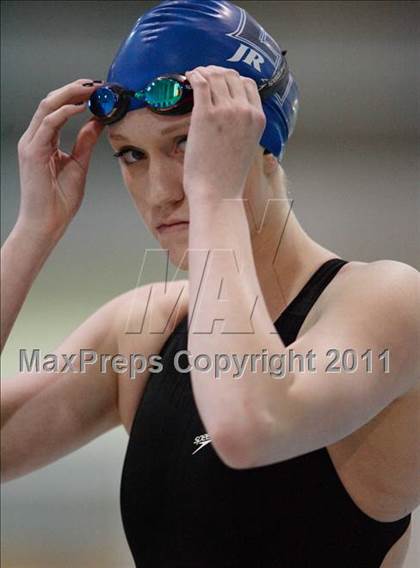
(285, 256)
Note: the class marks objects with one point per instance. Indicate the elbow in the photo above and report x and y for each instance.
(235, 446)
(261, 442)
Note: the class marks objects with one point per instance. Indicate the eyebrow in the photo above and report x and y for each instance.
(164, 132)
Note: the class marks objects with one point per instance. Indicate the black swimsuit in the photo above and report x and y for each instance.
(183, 507)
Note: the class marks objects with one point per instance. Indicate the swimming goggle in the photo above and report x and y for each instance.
(169, 94)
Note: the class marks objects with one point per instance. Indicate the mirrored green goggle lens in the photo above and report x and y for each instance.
(162, 93)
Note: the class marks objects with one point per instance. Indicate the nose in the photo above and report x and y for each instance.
(165, 182)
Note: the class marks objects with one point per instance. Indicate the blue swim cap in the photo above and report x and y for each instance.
(178, 35)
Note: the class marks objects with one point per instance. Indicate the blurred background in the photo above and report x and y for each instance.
(353, 167)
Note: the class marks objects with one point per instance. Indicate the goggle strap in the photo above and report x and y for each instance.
(277, 83)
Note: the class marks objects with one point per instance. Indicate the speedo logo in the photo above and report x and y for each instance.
(201, 441)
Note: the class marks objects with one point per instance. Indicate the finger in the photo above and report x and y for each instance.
(47, 133)
(215, 76)
(236, 86)
(72, 93)
(85, 142)
(251, 90)
(201, 89)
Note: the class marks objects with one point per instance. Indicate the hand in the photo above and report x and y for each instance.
(52, 182)
(227, 123)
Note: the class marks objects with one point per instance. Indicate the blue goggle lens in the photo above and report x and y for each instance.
(103, 101)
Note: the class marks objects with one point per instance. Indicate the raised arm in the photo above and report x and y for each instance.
(51, 190)
(52, 185)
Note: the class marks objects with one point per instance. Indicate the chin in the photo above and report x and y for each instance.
(179, 257)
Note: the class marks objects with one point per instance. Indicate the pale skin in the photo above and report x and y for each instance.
(371, 431)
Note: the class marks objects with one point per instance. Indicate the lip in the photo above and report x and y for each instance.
(173, 227)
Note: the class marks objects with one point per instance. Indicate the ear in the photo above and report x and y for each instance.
(270, 163)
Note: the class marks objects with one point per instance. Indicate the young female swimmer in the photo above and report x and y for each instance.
(320, 466)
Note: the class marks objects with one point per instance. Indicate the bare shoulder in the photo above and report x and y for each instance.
(380, 275)
(382, 289)
(145, 318)
(383, 297)
(149, 306)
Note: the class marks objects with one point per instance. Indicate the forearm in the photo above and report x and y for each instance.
(224, 286)
(220, 252)
(22, 257)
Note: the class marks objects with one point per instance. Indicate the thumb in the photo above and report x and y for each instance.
(86, 139)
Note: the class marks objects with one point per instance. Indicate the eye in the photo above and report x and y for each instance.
(127, 150)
